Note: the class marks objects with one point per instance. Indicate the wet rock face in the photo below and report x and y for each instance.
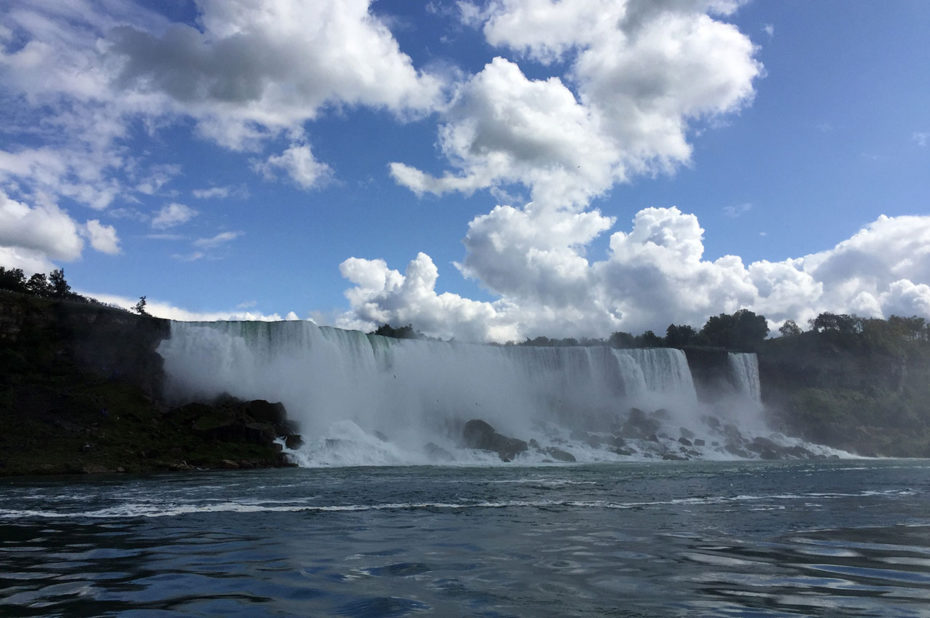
(481, 435)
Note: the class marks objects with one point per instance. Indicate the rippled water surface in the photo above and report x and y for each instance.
(706, 538)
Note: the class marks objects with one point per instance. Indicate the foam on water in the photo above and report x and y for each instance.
(159, 509)
(370, 400)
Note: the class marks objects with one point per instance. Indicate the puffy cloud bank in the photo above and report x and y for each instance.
(638, 73)
(244, 74)
(653, 275)
(629, 82)
(582, 95)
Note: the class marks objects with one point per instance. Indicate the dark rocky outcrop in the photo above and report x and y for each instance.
(228, 419)
(80, 392)
(480, 435)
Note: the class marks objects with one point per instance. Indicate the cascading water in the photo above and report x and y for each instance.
(365, 399)
(744, 372)
(663, 372)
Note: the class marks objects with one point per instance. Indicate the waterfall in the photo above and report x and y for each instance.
(662, 372)
(368, 399)
(744, 373)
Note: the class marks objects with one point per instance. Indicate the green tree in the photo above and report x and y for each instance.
(38, 285)
(913, 328)
(743, 330)
(58, 284)
(789, 329)
(140, 306)
(403, 332)
(840, 323)
(12, 279)
(649, 340)
(539, 341)
(679, 336)
(621, 339)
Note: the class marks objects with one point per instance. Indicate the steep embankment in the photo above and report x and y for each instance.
(861, 392)
(80, 387)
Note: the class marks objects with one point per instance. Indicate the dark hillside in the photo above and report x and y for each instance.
(80, 387)
(865, 388)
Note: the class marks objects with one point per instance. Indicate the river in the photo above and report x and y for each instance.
(847, 537)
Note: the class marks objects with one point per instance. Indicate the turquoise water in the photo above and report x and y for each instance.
(848, 537)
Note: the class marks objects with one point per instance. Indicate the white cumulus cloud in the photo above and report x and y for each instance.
(504, 128)
(639, 75)
(298, 163)
(383, 295)
(43, 228)
(34, 237)
(171, 215)
(253, 68)
(103, 238)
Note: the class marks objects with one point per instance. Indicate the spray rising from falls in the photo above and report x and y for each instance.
(370, 400)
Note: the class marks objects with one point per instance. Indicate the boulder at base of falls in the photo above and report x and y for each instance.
(437, 453)
(639, 425)
(559, 455)
(480, 435)
(767, 449)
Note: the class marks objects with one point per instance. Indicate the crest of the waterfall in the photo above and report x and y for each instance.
(744, 372)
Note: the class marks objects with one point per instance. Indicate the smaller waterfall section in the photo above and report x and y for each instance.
(744, 373)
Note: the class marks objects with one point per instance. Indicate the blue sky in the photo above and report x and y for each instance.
(482, 170)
